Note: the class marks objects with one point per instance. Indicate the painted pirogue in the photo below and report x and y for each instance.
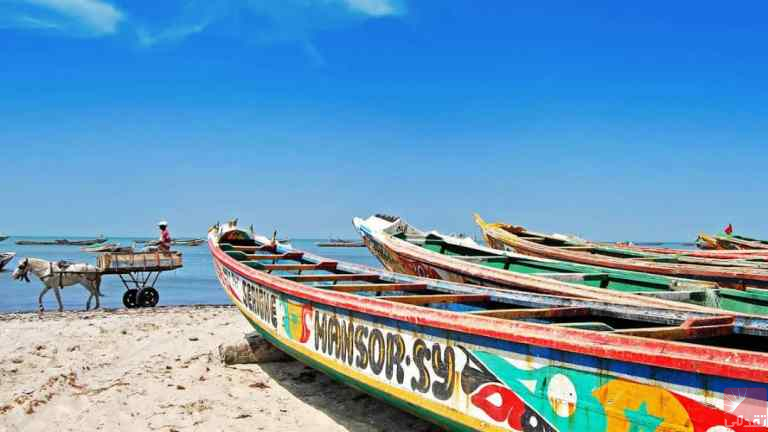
(403, 248)
(732, 254)
(474, 358)
(732, 243)
(739, 274)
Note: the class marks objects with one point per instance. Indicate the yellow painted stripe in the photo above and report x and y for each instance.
(399, 393)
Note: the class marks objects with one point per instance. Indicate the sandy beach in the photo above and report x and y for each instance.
(158, 369)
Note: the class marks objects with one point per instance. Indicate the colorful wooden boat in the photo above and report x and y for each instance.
(738, 274)
(5, 258)
(732, 243)
(741, 254)
(403, 248)
(474, 358)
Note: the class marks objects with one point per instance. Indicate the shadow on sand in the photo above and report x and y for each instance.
(349, 407)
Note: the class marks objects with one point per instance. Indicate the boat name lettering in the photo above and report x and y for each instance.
(260, 301)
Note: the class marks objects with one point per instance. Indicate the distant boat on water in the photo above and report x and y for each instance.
(3, 237)
(107, 247)
(64, 242)
(337, 242)
(180, 242)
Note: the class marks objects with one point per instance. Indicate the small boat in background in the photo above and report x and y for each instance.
(89, 242)
(182, 242)
(188, 242)
(36, 242)
(3, 237)
(340, 243)
(5, 258)
(63, 242)
(472, 358)
(107, 247)
(733, 273)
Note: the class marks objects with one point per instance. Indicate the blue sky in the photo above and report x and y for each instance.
(608, 120)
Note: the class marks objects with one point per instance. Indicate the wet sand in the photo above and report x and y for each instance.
(158, 369)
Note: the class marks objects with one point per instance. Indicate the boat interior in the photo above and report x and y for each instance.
(750, 300)
(314, 271)
(576, 245)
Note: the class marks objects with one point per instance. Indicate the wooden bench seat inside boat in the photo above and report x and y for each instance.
(326, 275)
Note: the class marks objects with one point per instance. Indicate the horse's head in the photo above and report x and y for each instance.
(22, 270)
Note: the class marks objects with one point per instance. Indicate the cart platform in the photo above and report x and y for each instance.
(127, 262)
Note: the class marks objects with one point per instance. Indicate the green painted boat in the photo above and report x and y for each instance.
(463, 260)
(486, 359)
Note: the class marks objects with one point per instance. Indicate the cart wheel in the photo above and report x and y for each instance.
(130, 297)
(148, 297)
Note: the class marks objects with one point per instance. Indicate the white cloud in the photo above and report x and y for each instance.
(72, 17)
(267, 20)
(376, 8)
(259, 21)
(95, 15)
(170, 34)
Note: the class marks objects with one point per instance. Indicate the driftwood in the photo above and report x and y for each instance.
(252, 349)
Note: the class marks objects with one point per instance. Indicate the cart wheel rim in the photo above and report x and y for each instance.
(130, 298)
(148, 297)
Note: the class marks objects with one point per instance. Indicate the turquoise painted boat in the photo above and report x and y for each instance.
(473, 358)
(403, 248)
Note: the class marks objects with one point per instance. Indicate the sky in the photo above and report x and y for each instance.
(609, 120)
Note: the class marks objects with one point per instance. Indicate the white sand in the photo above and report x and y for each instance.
(157, 369)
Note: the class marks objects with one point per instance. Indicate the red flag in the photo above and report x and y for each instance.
(729, 229)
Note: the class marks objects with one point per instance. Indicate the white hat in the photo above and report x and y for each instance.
(162, 223)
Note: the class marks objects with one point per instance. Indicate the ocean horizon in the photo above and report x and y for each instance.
(195, 283)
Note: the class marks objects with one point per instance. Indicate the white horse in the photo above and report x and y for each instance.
(58, 275)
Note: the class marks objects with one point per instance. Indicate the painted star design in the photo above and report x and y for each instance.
(640, 420)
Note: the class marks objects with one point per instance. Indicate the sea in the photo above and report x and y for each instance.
(195, 283)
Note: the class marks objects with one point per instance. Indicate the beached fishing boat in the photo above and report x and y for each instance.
(402, 248)
(5, 258)
(732, 243)
(743, 254)
(475, 358)
(734, 273)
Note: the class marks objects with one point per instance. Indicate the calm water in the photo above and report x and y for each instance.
(195, 283)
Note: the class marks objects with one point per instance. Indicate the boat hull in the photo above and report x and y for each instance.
(730, 277)
(442, 367)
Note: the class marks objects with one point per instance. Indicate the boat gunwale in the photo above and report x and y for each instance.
(495, 231)
(731, 363)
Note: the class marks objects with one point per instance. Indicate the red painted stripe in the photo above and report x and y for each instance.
(734, 364)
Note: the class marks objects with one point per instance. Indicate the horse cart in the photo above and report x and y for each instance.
(139, 273)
